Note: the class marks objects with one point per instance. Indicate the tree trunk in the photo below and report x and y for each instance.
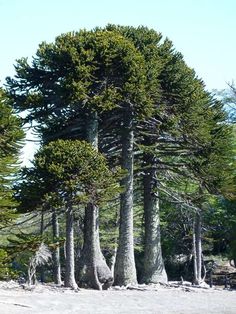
(93, 270)
(70, 266)
(125, 271)
(197, 249)
(42, 274)
(153, 268)
(92, 129)
(56, 251)
(112, 261)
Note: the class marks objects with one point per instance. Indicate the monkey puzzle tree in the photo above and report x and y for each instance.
(187, 122)
(148, 43)
(145, 42)
(212, 167)
(78, 175)
(69, 83)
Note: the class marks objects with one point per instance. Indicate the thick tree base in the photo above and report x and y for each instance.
(98, 278)
(124, 282)
(71, 284)
(160, 277)
(124, 278)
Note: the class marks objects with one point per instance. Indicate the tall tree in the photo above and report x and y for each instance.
(70, 80)
(78, 175)
(145, 41)
(187, 122)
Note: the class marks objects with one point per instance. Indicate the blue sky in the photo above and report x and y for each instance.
(202, 30)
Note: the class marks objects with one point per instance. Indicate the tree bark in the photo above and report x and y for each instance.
(153, 267)
(42, 273)
(56, 251)
(197, 249)
(93, 270)
(125, 271)
(112, 261)
(70, 264)
(92, 129)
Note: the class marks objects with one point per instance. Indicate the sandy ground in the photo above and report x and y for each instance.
(43, 300)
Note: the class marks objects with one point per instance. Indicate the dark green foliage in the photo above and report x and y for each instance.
(74, 168)
(4, 265)
(89, 70)
(221, 221)
(10, 128)
(67, 170)
(11, 136)
(34, 193)
(20, 249)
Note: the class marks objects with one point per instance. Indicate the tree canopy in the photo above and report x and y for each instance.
(119, 104)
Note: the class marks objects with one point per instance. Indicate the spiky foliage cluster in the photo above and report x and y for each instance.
(73, 169)
(11, 136)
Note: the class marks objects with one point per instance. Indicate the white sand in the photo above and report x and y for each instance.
(43, 300)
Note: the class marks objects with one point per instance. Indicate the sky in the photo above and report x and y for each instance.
(202, 30)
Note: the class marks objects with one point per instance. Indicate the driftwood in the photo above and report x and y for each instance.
(16, 304)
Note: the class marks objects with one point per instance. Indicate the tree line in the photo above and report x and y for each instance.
(125, 127)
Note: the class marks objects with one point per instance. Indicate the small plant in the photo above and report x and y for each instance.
(41, 257)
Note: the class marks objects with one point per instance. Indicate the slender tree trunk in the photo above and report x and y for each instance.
(92, 129)
(197, 249)
(112, 260)
(195, 273)
(153, 268)
(56, 251)
(70, 266)
(125, 271)
(93, 270)
(42, 274)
